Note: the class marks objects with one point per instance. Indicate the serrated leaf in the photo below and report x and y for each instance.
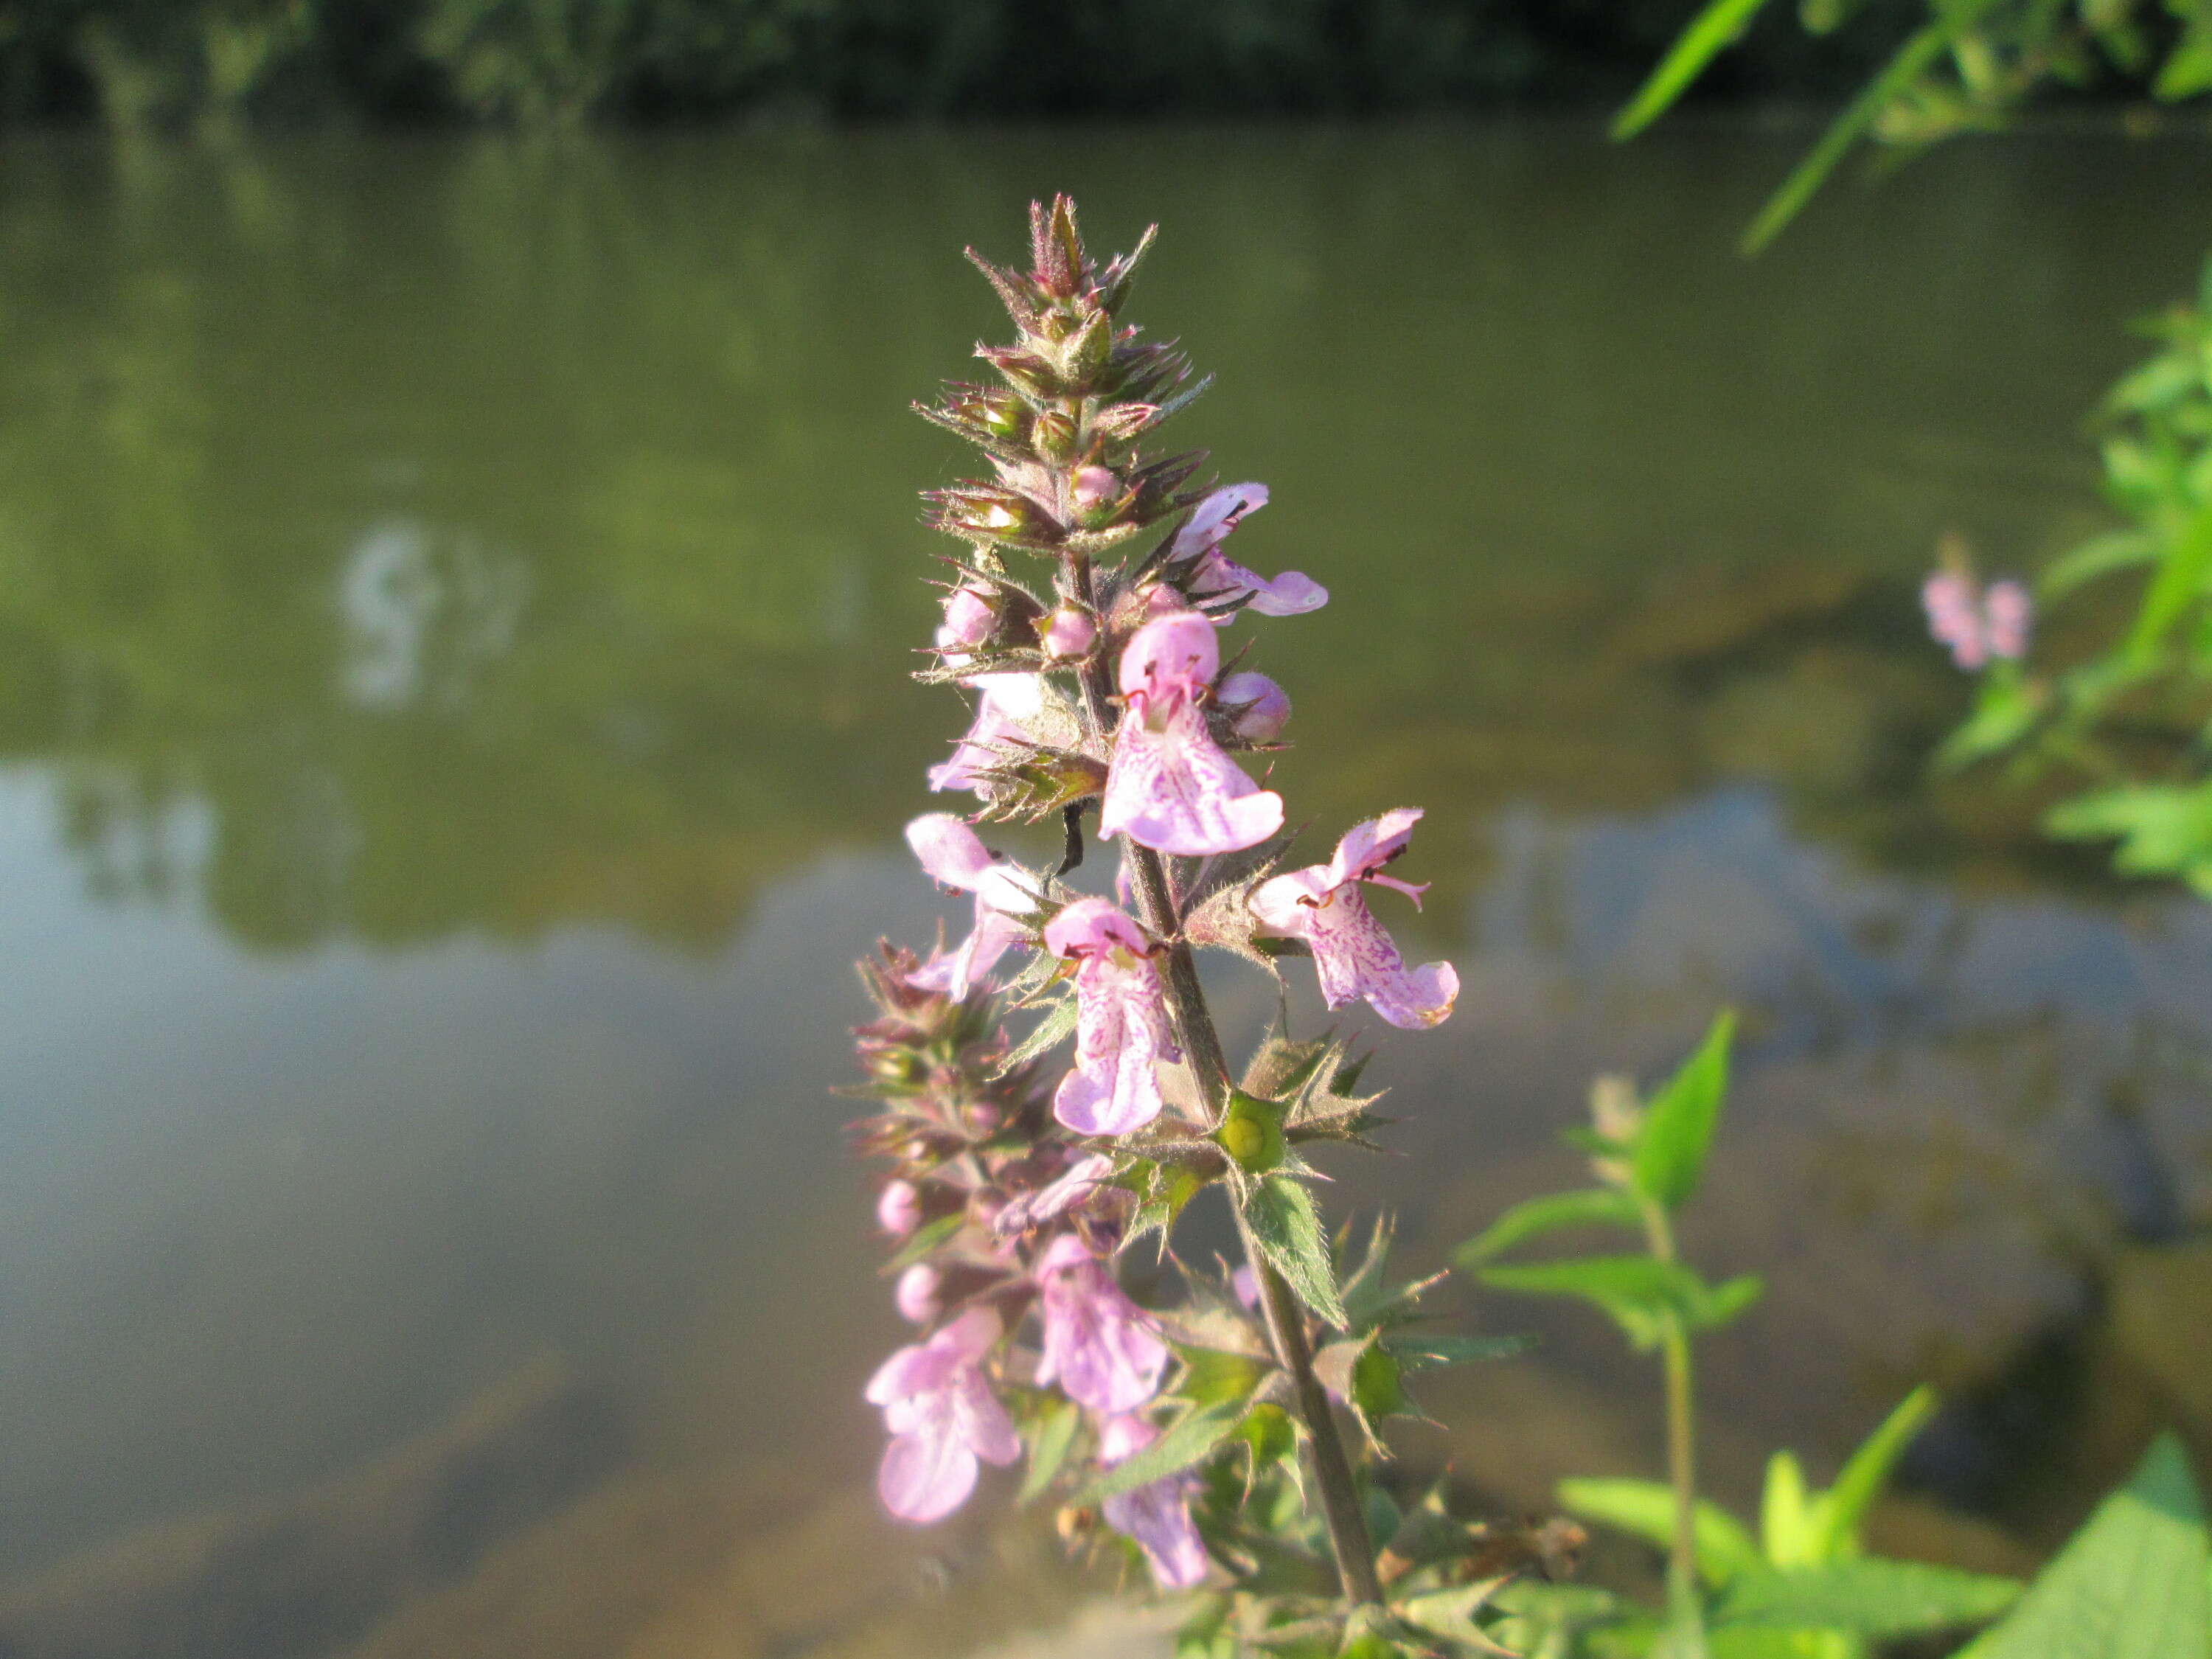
(2132, 1584)
(1049, 1447)
(1677, 1131)
(1433, 1354)
(1280, 1213)
(1870, 1598)
(1191, 1441)
(1646, 1507)
(1597, 1206)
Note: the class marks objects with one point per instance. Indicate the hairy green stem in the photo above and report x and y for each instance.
(1158, 907)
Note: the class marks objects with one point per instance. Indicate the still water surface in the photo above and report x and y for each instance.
(454, 603)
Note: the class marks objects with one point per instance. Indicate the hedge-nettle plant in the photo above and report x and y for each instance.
(1225, 1434)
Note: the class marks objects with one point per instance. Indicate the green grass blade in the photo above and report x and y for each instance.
(1710, 33)
(1912, 60)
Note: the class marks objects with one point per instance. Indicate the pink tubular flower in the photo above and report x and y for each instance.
(1217, 577)
(1120, 1021)
(898, 1208)
(1003, 702)
(951, 853)
(943, 1417)
(1257, 708)
(1353, 955)
(2007, 614)
(1169, 785)
(1098, 1345)
(1157, 1514)
(1072, 1188)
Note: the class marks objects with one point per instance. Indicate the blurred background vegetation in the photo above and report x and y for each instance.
(169, 63)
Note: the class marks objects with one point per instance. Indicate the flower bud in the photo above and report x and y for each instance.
(1094, 484)
(968, 622)
(917, 1294)
(1257, 708)
(898, 1209)
(1054, 436)
(1067, 632)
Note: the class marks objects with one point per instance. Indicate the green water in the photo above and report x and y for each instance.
(455, 603)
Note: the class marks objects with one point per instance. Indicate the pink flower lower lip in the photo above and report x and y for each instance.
(1170, 786)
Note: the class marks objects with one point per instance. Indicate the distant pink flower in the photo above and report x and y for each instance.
(1169, 785)
(1066, 633)
(1157, 1514)
(898, 1208)
(1217, 577)
(1353, 955)
(1098, 1346)
(1072, 1189)
(1120, 1021)
(1976, 625)
(917, 1296)
(943, 1417)
(951, 851)
(1257, 708)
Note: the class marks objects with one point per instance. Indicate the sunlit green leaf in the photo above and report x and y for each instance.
(2117, 550)
(1678, 1126)
(1646, 1507)
(1871, 1598)
(1429, 1354)
(1280, 1213)
(1191, 1441)
(1710, 33)
(1597, 1206)
(1837, 1513)
(2135, 1583)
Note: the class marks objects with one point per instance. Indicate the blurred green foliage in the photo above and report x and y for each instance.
(188, 61)
(2128, 706)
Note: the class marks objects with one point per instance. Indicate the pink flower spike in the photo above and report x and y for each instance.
(1955, 617)
(1353, 955)
(1098, 1346)
(898, 1208)
(1121, 1022)
(1156, 1515)
(953, 855)
(943, 1418)
(1257, 708)
(1169, 785)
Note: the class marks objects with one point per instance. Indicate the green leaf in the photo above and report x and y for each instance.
(924, 1239)
(1280, 1213)
(1193, 1440)
(1646, 1507)
(2006, 709)
(1598, 1206)
(1212, 1377)
(1786, 1532)
(2164, 829)
(1047, 1035)
(1678, 1127)
(1837, 1513)
(2132, 1584)
(1251, 1131)
(2179, 583)
(2186, 73)
(1710, 33)
(2099, 555)
(1378, 1388)
(1913, 59)
(1871, 1598)
(1640, 1293)
(1055, 1433)
(1431, 1353)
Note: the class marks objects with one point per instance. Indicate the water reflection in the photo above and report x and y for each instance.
(452, 601)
